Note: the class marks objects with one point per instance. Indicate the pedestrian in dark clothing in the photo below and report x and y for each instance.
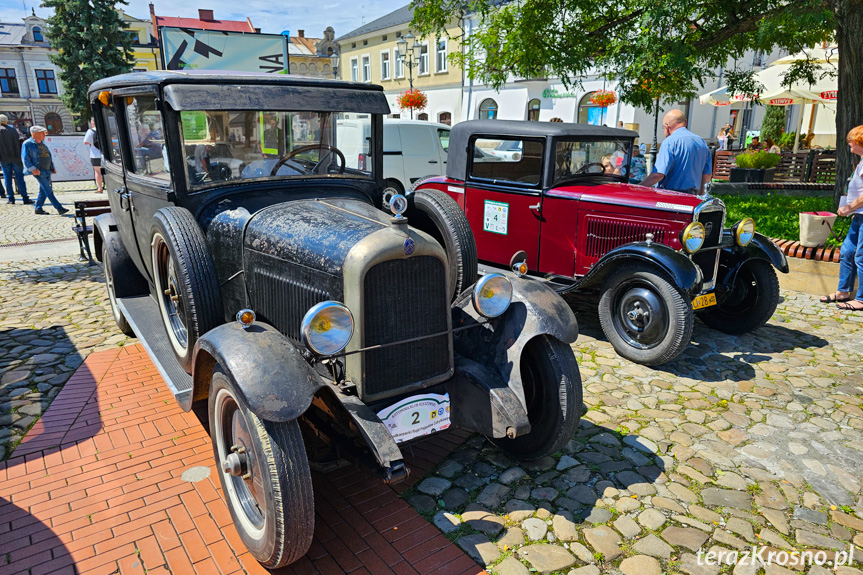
(10, 161)
(37, 160)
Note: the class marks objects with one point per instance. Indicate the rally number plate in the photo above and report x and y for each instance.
(703, 301)
(416, 416)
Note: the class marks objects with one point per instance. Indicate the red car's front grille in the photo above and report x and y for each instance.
(603, 235)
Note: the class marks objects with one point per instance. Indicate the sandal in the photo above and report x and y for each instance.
(850, 307)
(833, 298)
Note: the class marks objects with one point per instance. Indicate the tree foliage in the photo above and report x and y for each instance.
(773, 124)
(656, 50)
(91, 43)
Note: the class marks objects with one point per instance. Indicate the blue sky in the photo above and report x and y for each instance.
(269, 16)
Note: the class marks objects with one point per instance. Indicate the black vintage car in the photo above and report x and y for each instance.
(254, 261)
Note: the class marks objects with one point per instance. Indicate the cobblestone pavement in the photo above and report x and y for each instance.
(18, 223)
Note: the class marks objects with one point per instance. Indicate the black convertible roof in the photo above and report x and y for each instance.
(461, 133)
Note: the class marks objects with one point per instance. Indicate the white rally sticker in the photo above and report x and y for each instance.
(674, 206)
(496, 217)
(416, 416)
(455, 189)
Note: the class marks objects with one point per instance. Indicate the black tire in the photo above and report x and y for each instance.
(421, 181)
(119, 318)
(187, 288)
(751, 302)
(437, 214)
(274, 507)
(394, 183)
(644, 316)
(552, 389)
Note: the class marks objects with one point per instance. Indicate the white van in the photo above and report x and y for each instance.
(412, 149)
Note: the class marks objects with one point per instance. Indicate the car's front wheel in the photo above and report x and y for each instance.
(644, 316)
(750, 303)
(552, 390)
(265, 477)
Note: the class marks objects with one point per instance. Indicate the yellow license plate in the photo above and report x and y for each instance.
(703, 301)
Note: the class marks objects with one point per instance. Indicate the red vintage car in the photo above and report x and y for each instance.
(564, 211)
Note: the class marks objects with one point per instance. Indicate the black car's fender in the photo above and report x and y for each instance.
(103, 226)
(497, 346)
(128, 281)
(274, 378)
(733, 256)
(680, 269)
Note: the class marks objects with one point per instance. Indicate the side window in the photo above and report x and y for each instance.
(111, 149)
(444, 138)
(513, 160)
(147, 139)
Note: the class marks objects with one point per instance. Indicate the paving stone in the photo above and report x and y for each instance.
(777, 519)
(544, 493)
(546, 558)
(627, 527)
(446, 522)
(810, 515)
(512, 475)
(576, 475)
(469, 482)
(564, 527)
(450, 468)
(641, 443)
(726, 538)
(586, 570)
(847, 520)
(493, 495)
(482, 520)
(479, 548)
(518, 510)
(635, 483)
(583, 494)
(534, 528)
(652, 519)
(640, 565)
(626, 504)
(692, 522)
(805, 537)
(510, 566)
(653, 546)
(433, 486)
(511, 538)
(685, 537)
(742, 528)
(604, 540)
(689, 564)
(726, 498)
(597, 515)
(455, 498)
(668, 504)
(682, 493)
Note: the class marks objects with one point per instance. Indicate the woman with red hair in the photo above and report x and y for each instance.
(851, 254)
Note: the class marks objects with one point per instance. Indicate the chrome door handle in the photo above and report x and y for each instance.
(534, 207)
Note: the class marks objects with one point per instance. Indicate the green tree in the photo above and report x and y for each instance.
(675, 43)
(773, 124)
(91, 43)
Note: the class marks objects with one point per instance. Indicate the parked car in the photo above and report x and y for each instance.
(282, 304)
(413, 149)
(563, 211)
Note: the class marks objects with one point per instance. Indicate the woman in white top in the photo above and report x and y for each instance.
(95, 156)
(851, 254)
(772, 147)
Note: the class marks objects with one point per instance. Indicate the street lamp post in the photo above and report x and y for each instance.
(334, 61)
(414, 59)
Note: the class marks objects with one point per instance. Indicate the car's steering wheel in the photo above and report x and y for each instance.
(307, 148)
(585, 167)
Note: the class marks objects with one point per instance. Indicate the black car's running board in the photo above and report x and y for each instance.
(143, 315)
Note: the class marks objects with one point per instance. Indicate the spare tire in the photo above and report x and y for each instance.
(435, 213)
(187, 288)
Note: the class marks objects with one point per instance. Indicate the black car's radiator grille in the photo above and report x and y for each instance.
(405, 298)
(282, 301)
(712, 221)
(603, 235)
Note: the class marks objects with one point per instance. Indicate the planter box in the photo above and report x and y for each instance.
(751, 175)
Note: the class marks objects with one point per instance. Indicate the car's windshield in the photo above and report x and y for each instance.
(509, 145)
(224, 146)
(596, 157)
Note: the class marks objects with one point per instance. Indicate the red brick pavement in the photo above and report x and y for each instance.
(95, 487)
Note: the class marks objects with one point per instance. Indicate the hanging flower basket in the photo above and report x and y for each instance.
(603, 98)
(412, 99)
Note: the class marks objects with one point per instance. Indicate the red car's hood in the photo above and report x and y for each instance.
(632, 195)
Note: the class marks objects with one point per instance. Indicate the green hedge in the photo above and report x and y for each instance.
(776, 216)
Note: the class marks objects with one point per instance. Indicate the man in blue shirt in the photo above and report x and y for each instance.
(37, 161)
(684, 163)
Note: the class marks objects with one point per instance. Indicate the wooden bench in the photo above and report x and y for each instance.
(792, 167)
(723, 161)
(823, 169)
(87, 209)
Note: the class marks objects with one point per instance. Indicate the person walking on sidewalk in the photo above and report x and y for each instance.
(91, 140)
(684, 162)
(37, 161)
(10, 161)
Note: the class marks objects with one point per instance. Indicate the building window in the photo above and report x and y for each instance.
(367, 69)
(400, 66)
(488, 109)
(533, 110)
(54, 123)
(355, 70)
(45, 80)
(385, 65)
(424, 59)
(445, 118)
(423, 116)
(37, 34)
(589, 113)
(440, 59)
(8, 82)
(139, 69)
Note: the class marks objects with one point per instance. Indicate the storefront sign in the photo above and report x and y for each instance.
(781, 102)
(830, 95)
(71, 158)
(552, 93)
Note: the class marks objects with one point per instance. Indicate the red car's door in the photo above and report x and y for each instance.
(502, 201)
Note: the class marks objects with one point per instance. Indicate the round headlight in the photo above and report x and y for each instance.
(516, 157)
(692, 237)
(744, 231)
(492, 294)
(327, 328)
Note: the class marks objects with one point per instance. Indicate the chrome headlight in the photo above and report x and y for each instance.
(692, 237)
(492, 295)
(327, 328)
(744, 231)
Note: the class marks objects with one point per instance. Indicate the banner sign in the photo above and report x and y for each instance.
(71, 158)
(553, 93)
(830, 95)
(781, 102)
(185, 49)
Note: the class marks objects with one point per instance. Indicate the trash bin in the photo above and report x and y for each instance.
(815, 227)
